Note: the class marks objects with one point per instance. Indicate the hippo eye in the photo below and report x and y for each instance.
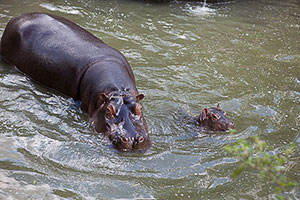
(215, 116)
(138, 109)
(110, 111)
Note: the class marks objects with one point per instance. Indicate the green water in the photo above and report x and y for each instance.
(244, 55)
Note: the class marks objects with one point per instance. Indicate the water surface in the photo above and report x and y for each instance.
(244, 55)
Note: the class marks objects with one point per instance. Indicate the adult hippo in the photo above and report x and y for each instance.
(215, 119)
(61, 55)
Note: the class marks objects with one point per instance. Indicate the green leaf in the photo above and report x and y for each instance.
(257, 157)
(239, 170)
(292, 184)
(232, 131)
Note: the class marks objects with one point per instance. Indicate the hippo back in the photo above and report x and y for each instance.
(54, 51)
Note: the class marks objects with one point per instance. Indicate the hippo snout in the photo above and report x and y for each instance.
(231, 125)
(123, 143)
(223, 125)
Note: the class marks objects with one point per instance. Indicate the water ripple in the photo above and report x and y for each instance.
(185, 58)
(64, 9)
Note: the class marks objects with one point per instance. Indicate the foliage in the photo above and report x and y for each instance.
(270, 166)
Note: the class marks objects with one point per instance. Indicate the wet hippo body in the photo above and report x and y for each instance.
(215, 119)
(61, 55)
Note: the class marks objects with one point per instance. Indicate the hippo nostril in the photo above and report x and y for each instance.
(124, 139)
(231, 124)
(141, 139)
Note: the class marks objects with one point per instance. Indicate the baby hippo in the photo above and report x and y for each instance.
(215, 119)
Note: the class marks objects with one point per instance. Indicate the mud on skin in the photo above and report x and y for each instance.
(61, 55)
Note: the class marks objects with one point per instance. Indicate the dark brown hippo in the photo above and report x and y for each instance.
(61, 55)
(215, 119)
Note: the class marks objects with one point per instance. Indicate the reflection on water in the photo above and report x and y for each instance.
(12, 189)
(64, 9)
(185, 57)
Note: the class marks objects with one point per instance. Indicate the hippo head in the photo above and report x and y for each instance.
(215, 119)
(120, 118)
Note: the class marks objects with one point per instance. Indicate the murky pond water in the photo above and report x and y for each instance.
(244, 55)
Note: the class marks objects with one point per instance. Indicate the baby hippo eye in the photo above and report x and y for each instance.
(110, 112)
(138, 109)
(215, 116)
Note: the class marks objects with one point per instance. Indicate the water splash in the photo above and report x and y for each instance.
(201, 10)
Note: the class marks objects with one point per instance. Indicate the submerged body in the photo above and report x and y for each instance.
(61, 55)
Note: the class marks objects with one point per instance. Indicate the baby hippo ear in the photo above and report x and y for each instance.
(205, 113)
(139, 97)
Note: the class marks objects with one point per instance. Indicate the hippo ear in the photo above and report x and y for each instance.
(102, 98)
(139, 97)
(205, 113)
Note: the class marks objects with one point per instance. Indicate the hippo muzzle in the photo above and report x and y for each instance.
(124, 123)
(129, 134)
(123, 143)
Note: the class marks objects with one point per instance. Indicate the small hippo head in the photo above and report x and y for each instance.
(120, 118)
(215, 119)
